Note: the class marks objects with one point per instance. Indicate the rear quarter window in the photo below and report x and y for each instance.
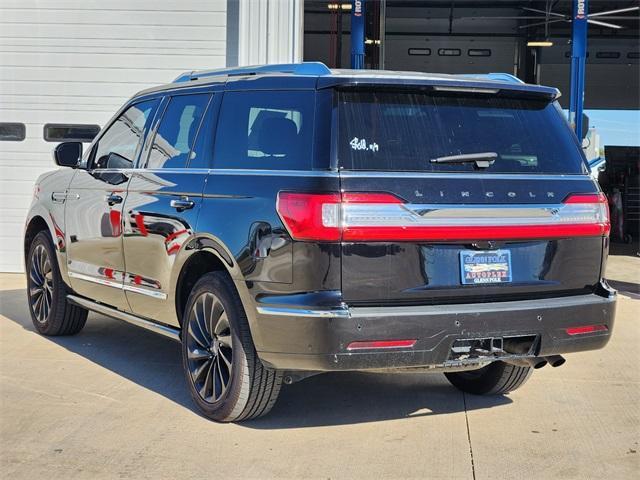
(403, 131)
(265, 130)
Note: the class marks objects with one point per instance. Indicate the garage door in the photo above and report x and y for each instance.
(74, 62)
(612, 73)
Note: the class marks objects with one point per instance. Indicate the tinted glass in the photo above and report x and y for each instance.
(56, 132)
(177, 131)
(403, 131)
(118, 147)
(12, 132)
(449, 52)
(265, 130)
(202, 151)
(479, 52)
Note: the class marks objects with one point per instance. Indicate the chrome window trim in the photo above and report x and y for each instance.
(275, 173)
(475, 176)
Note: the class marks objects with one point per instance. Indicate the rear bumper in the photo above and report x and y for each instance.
(317, 339)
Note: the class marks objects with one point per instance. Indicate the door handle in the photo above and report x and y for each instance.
(58, 197)
(182, 204)
(113, 199)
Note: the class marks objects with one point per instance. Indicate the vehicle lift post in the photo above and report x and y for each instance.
(357, 34)
(578, 64)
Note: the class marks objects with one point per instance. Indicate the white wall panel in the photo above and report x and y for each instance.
(270, 31)
(77, 61)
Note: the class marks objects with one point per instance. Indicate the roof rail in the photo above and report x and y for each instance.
(304, 68)
(503, 77)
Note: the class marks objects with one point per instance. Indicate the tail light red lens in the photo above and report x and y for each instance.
(354, 216)
(311, 216)
(381, 344)
(594, 208)
(586, 329)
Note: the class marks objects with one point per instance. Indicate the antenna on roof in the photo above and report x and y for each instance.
(304, 68)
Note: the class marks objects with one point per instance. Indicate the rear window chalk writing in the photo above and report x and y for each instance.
(361, 144)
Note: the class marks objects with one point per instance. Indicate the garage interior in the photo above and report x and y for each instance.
(463, 36)
(532, 40)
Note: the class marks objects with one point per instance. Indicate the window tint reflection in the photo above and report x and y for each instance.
(177, 131)
(118, 147)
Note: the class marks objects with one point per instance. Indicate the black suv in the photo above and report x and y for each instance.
(287, 220)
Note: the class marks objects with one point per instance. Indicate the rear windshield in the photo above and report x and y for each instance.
(406, 131)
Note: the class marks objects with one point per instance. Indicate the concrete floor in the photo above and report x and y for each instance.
(111, 402)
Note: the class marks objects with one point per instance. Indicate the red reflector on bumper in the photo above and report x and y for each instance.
(381, 344)
(586, 329)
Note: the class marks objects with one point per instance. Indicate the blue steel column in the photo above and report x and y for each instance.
(357, 34)
(578, 64)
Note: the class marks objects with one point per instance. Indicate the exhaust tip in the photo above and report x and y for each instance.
(538, 363)
(555, 360)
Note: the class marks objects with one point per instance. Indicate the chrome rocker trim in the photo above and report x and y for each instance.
(170, 332)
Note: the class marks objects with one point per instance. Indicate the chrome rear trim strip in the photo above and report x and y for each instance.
(297, 312)
(437, 310)
(165, 330)
(474, 308)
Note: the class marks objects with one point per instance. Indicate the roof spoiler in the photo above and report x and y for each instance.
(304, 68)
(498, 76)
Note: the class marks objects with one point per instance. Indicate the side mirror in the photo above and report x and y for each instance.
(68, 154)
(585, 126)
(118, 161)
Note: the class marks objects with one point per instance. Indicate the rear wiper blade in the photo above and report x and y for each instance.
(482, 160)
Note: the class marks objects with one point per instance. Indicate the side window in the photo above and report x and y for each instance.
(119, 145)
(177, 131)
(202, 152)
(265, 130)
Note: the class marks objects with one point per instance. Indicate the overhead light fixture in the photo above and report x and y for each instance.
(370, 41)
(339, 6)
(540, 43)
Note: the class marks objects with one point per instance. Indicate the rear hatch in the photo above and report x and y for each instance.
(457, 196)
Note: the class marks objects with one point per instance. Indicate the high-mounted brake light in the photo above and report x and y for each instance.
(359, 217)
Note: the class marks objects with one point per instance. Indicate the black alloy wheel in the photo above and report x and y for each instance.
(209, 348)
(40, 283)
(50, 309)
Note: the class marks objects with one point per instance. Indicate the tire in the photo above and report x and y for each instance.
(497, 378)
(50, 311)
(225, 377)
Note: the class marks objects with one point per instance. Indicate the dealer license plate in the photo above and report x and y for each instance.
(482, 267)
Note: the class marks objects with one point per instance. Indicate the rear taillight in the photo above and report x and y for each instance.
(355, 216)
(589, 209)
(311, 216)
